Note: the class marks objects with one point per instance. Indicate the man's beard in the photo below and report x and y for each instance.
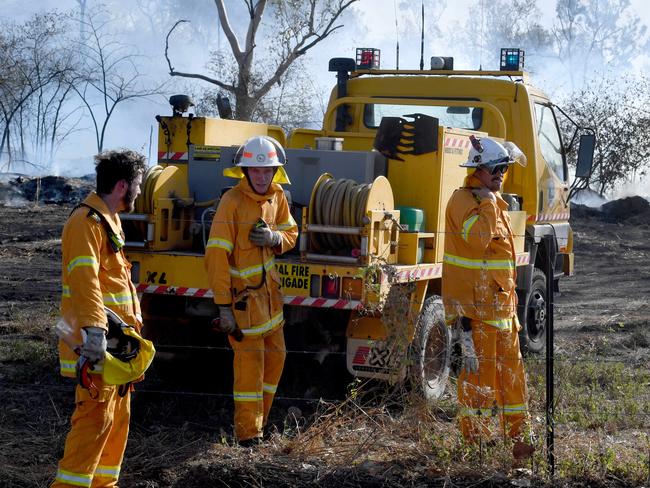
(129, 200)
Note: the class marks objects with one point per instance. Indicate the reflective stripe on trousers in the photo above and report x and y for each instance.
(257, 368)
(94, 447)
(498, 389)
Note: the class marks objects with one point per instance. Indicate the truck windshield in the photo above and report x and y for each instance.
(466, 117)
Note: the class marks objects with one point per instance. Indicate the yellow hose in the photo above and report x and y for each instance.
(339, 203)
(144, 202)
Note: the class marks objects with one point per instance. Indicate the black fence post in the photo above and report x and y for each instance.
(550, 400)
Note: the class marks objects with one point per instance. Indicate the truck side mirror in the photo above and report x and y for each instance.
(585, 155)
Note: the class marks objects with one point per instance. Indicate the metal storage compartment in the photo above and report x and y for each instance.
(304, 166)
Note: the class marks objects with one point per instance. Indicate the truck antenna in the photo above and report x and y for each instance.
(422, 41)
(396, 37)
(480, 52)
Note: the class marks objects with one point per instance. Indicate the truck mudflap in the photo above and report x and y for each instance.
(368, 358)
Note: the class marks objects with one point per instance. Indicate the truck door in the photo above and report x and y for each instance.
(553, 182)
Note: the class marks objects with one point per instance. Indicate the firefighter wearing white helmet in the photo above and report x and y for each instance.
(478, 289)
(252, 225)
(490, 153)
(259, 152)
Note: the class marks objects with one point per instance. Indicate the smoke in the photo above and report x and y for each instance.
(589, 198)
(144, 24)
(639, 187)
(140, 26)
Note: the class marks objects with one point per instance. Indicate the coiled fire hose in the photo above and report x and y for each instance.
(144, 202)
(340, 203)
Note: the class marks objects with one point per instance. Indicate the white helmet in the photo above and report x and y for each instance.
(488, 152)
(260, 152)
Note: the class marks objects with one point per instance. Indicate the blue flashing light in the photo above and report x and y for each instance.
(512, 59)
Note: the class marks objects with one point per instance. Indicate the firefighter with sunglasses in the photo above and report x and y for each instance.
(478, 288)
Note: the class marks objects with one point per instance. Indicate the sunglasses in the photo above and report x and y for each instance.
(499, 168)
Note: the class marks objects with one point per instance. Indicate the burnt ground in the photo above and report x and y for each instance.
(180, 433)
(610, 291)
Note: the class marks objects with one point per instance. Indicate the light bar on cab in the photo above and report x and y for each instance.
(512, 59)
(367, 58)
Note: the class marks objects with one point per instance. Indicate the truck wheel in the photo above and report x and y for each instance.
(430, 351)
(532, 336)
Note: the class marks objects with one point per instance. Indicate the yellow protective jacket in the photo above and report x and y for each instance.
(94, 276)
(240, 273)
(478, 277)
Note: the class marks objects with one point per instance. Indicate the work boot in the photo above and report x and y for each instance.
(250, 443)
(522, 450)
(269, 431)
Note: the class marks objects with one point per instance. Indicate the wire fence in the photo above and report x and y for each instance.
(601, 391)
(601, 415)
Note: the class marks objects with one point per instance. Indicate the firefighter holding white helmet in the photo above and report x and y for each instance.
(252, 225)
(478, 289)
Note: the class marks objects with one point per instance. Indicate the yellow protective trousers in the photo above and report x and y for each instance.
(257, 368)
(95, 445)
(498, 390)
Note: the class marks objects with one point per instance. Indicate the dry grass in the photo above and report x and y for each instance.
(377, 436)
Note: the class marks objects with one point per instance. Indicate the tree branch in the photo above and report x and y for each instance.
(227, 30)
(197, 76)
(169, 63)
(256, 18)
(173, 72)
(301, 48)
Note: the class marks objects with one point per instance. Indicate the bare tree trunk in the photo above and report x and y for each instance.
(55, 124)
(300, 36)
(113, 76)
(21, 134)
(82, 21)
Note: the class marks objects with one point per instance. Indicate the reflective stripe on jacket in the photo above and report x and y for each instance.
(478, 277)
(93, 276)
(238, 270)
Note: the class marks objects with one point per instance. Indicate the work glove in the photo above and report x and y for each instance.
(94, 343)
(470, 360)
(263, 236)
(227, 322)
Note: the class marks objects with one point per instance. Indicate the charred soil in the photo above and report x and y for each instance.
(180, 436)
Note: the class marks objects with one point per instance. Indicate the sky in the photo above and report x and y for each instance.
(373, 25)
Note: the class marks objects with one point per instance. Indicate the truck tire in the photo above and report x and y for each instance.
(430, 351)
(532, 336)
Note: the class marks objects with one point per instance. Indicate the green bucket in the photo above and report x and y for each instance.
(412, 218)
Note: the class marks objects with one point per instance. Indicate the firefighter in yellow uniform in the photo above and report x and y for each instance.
(251, 226)
(96, 275)
(478, 289)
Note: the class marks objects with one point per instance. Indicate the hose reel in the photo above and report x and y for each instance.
(144, 202)
(339, 210)
(162, 211)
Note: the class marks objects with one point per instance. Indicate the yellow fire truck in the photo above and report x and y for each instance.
(362, 287)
